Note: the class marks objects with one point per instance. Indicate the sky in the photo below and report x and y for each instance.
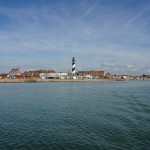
(109, 35)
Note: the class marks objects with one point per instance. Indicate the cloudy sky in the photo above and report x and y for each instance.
(110, 35)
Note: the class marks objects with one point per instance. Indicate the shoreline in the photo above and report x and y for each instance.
(52, 80)
(61, 80)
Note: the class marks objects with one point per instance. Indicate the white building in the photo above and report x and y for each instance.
(53, 75)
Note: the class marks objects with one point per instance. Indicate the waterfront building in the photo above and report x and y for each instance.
(15, 73)
(4, 76)
(91, 74)
(36, 73)
(59, 75)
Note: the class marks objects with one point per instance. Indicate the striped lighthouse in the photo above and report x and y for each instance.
(73, 66)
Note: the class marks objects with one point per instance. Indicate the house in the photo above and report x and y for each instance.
(4, 76)
(92, 73)
(36, 73)
(14, 72)
(53, 75)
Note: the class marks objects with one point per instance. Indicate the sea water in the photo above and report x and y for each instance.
(75, 116)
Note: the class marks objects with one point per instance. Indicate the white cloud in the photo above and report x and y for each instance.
(109, 64)
(130, 66)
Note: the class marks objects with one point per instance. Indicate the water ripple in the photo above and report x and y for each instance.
(75, 116)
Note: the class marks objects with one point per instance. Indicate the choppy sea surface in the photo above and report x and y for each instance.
(75, 116)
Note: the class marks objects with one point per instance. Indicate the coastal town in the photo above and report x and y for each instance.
(15, 75)
(52, 74)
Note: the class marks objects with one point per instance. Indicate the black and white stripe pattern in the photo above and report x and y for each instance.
(73, 65)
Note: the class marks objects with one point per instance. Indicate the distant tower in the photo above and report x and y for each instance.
(73, 66)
